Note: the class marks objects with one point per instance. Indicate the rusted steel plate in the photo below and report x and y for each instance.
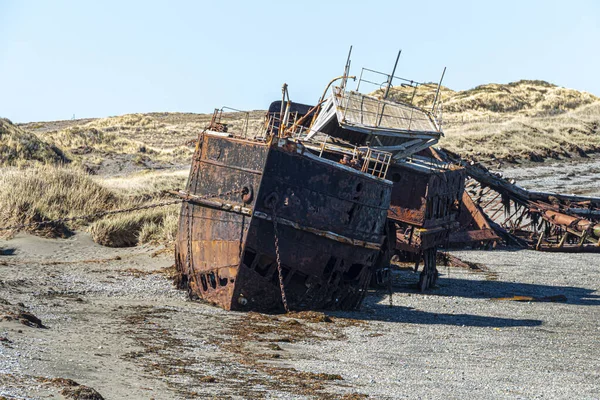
(480, 235)
(473, 225)
(425, 199)
(323, 196)
(415, 240)
(319, 272)
(215, 237)
(332, 222)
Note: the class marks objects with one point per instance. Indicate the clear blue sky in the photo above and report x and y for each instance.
(101, 58)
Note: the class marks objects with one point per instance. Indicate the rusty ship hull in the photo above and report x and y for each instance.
(329, 220)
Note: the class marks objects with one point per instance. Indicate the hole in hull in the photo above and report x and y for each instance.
(263, 265)
(353, 272)
(298, 279)
(249, 257)
(212, 280)
(223, 281)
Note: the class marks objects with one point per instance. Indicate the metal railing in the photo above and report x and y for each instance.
(274, 125)
(407, 97)
(217, 124)
(375, 111)
(376, 162)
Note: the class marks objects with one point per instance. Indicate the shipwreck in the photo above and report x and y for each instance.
(309, 204)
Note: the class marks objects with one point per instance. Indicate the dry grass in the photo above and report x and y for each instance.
(151, 226)
(131, 229)
(138, 140)
(519, 120)
(47, 193)
(21, 148)
(521, 137)
(116, 135)
(163, 133)
(132, 142)
(146, 185)
(523, 98)
(163, 231)
(156, 130)
(90, 138)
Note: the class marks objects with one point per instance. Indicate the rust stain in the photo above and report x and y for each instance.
(331, 224)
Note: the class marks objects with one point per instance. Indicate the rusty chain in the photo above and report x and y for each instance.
(188, 256)
(100, 214)
(389, 288)
(279, 271)
(89, 216)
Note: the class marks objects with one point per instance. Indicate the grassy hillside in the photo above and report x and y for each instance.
(163, 131)
(126, 143)
(46, 193)
(575, 132)
(19, 147)
(133, 142)
(529, 98)
(519, 120)
(522, 98)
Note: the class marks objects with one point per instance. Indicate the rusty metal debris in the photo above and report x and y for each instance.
(317, 200)
(511, 215)
(330, 220)
(546, 299)
(424, 209)
(311, 225)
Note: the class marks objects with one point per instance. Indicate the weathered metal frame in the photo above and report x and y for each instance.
(538, 220)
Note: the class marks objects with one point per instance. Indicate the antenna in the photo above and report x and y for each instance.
(346, 70)
(387, 90)
(437, 92)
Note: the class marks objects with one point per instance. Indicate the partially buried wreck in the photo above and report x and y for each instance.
(305, 210)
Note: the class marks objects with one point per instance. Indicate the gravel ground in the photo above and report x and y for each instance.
(113, 322)
(458, 342)
(577, 176)
(119, 326)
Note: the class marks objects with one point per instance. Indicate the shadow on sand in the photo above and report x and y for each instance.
(493, 289)
(405, 281)
(409, 315)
